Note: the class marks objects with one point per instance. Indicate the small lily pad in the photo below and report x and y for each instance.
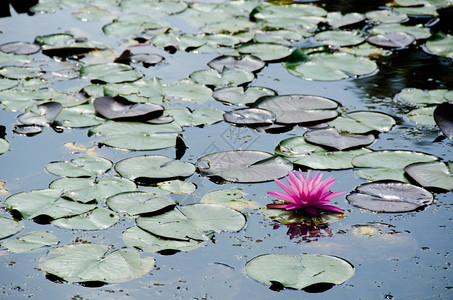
(252, 117)
(386, 16)
(441, 44)
(228, 198)
(30, 241)
(241, 96)
(94, 263)
(20, 72)
(418, 31)
(363, 122)
(9, 227)
(20, 48)
(227, 77)
(443, 115)
(97, 219)
(139, 202)
(202, 116)
(389, 196)
(298, 272)
(388, 164)
(432, 174)
(266, 51)
(248, 62)
(44, 114)
(243, 166)
(296, 109)
(337, 20)
(119, 108)
(392, 39)
(4, 146)
(341, 141)
(423, 116)
(84, 166)
(421, 97)
(193, 222)
(340, 38)
(110, 73)
(153, 168)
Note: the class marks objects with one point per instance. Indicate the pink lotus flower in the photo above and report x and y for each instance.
(306, 193)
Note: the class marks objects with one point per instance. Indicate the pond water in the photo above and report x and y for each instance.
(403, 255)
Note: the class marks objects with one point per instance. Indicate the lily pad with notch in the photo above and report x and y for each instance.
(341, 141)
(227, 77)
(299, 272)
(363, 122)
(184, 116)
(435, 175)
(265, 51)
(243, 166)
(299, 109)
(86, 263)
(193, 222)
(139, 203)
(240, 95)
(251, 117)
(422, 97)
(98, 219)
(440, 44)
(83, 166)
(248, 62)
(389, 196)
(443, 115)
(119, 108)
(337, 19)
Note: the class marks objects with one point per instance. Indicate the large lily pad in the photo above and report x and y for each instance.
(9, 227)
(83, 166)
(138, 202)
(443, 115)
(388, 164)
(143, 240)
(296, 109)
(341, 141)
(241, 96)
(227, 77)
(93, 263)
(298, 272)
(153, 168)
(363, 122)
(119, 108)
(389, 196)
(45, 203)
(110, 72)
(193, 222)
(328, 66)
(97, 219)
(243, 166)
(432, 174)
(248, 62)
(30, 241)
(188, 90)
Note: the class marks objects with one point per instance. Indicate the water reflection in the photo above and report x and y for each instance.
(306, 231)
(20, 6)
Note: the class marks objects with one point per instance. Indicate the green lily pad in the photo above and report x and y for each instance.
(41, 114)
(440, 44)
(20, 72)
(202, 116)
(97, 219)
(228, 198)
(45, 203)
(19, 48)
(337, 20)
(265, 51)
(120, 108)
(188, 90)
(193, 222)
(423, 116)
(328, 66)
(167, 7)
(248, 62)
(392, 40)
(252, 117)
(138, 202)
(11, 58)
(111, 128)
(228, 77)
(177, 186)
(84, 166)
(243, 166)
(230, 25)
(143, 240)
(9, 227)
(388, 164)
(389, 196)
(93, 13)
(296, 109)
(341, 141)
(363, 122)
(432, 174)
(110, 73)
(4, 146)
(89, 189)
(418, 31)
(241, 96)
(298, 272)
(78, 117)
(94, 263)
(422, 97)
(153, 168)
(6, 83)
(386, 16)
(282, 37)
(30, 241)
(340, 38)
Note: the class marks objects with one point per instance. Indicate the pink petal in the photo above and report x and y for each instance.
(332, 208)
(276, 205)
(285, 188)
(281, 196)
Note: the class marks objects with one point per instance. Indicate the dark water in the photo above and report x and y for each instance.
(413, 262)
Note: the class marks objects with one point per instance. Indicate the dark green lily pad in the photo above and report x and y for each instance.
(228, 77)
(20, 48)
(241, 96)
(45, 203)
(110, 73)
(392, 40)
(95, 263)
(296, 109)
(252, 117)
(389, 196)
(248, 63)
(9, 227)
(20, 72)
(440, 44)
(83, 166)
(119, 108)
(432, 174)
(341, 141)
(443, 115)
(86, 190)
(193, 222)
(138, 202)
(143, 240)
(30, 241)
(340, 38)
(298, 272)
(153, 168)
(328, 66)
(97, 219)
(388, 164)
(202, 116)
(422, 97)
(243, 166)
(265, 51)
(363, 122)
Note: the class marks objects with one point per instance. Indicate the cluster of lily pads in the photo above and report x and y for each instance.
(133, 111)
